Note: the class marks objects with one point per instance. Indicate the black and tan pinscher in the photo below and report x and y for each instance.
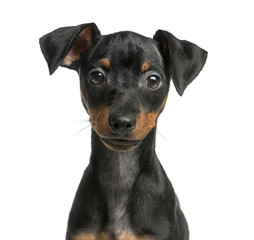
(124, 80)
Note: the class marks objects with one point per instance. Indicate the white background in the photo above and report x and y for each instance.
(205, 140)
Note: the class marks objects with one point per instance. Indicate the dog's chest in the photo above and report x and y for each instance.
(118, 220)
(120, 179)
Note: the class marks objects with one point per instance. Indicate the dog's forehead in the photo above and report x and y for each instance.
(129, 47)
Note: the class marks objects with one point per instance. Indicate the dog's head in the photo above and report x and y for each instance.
(124, 77)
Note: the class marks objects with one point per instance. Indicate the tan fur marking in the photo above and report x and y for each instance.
(80, 45)
(99, 120)
(151, 117)
(103, 236)
(145, 66)
(145, 121)
(100, 236)
(106, 236)
(131, 236)
(141, 129)
(84, 237)
(105, 62)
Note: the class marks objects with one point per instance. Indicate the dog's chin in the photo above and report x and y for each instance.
(120, 145)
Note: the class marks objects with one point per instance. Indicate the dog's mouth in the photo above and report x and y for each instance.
(120, 144)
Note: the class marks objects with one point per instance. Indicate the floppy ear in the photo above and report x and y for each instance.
(184, 59)
(66, 46)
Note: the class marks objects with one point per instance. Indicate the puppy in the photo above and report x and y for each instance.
(124, 81)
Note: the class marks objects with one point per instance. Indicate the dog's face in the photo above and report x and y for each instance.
(124, 88)
(124, 77)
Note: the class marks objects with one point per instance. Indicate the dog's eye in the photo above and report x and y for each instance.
(153, 81)
(96, 77)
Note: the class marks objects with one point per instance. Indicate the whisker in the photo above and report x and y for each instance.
(77, 124)
(79, 121)
(161, 135)
(82, 129)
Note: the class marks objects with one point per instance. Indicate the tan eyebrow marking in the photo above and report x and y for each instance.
(105, 62)
(145, 66)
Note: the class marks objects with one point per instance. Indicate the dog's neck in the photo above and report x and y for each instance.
(117, 172)
(121, 168)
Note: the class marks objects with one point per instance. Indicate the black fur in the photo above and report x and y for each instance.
(125, 191)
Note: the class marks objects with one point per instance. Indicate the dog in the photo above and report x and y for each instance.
(124, 193)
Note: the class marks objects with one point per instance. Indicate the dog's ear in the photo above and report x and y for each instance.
(184, 59)
(66, 46)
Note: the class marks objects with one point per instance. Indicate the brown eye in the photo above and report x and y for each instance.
(96, 77)
(153, 81)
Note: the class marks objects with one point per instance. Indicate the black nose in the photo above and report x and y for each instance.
(122, 124)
